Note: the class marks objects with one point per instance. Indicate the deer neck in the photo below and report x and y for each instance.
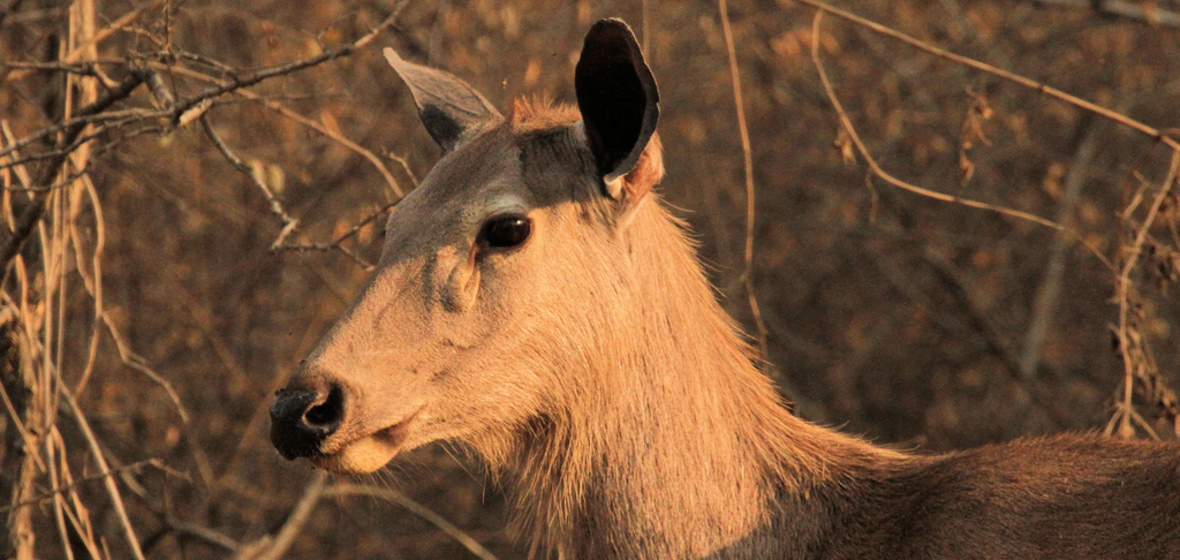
(678, 447)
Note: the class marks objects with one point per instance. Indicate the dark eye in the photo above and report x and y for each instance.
(505, 231)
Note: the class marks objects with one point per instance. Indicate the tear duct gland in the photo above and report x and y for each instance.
(585, 358)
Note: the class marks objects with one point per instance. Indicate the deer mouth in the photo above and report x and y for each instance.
(367, 453)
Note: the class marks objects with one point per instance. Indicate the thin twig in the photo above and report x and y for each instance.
(987, 68)
(977, 320)
(79, 481)
(1141, 236)
(291, 224)
(81, 28)
(1127, 346)
(846, 124)
(274, 105)
(748, 161)
(104, 117)
(345, 50)
(136, 362)
(405, 167)
(98, 37)
(32, 214)
(325, 247)
(417, 509)
(190, 531)
(337, 244)
(339, 138)
(110, 121)
(81, 68)
(273, 548)
(202, 59)
(204, 534)
(109, 479)
(59, 509)
(1050, 287)
(27, 438)
(276, 207)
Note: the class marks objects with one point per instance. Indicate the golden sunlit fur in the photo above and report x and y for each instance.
(661, 439)
(620, 407)
(540, 114)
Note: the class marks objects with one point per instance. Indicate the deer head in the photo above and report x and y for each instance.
(498, 273)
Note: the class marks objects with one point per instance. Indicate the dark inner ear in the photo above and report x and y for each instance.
(617, 96)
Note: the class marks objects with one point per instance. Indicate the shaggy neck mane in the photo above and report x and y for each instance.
(665, 440)
(670, 443)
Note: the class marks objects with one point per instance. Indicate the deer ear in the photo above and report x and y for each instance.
(448, 106)
(620, 106)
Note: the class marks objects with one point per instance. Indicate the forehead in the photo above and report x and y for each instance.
(536, 148)
(528, 162)
(486, 165)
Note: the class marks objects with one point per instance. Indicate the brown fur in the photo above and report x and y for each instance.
(531, 115)
(595, 372)
(669, 443)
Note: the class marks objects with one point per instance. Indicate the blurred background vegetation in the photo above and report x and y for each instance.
(164, 293)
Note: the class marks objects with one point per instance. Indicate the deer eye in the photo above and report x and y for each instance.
(505, 231)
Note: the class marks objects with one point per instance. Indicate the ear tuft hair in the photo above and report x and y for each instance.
(647, 171)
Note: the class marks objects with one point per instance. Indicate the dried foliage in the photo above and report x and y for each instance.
(193, 191)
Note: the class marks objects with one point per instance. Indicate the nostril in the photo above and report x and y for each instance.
(301, 419)
(326, 415)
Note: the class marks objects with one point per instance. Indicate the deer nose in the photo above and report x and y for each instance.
(301, 419)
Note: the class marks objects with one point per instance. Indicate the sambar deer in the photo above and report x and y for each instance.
(537, 302)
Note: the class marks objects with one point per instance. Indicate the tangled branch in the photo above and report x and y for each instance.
(1132, 345)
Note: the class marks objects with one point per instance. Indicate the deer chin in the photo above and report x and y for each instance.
(365, 454)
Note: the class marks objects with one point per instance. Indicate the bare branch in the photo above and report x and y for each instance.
(109, 122)
(136, 362)
(276, 207)
(216, 91)
(417, 509)
(336, 244)
(32, 214)
(846, 125)
(1050, 287)
(324, 247)
(1133, 347)
(191, 531)
(405, 167)
(158, 89)
(109, 480)
(376, 161)
(274, 105)
(291, 224)
(78, 482)
(122, 22)
(748, 161)
(273, 548)
(987, 68)
(204, 534)
(81, 68)
(105, 118)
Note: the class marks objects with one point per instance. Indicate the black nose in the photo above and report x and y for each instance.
(300, 420)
